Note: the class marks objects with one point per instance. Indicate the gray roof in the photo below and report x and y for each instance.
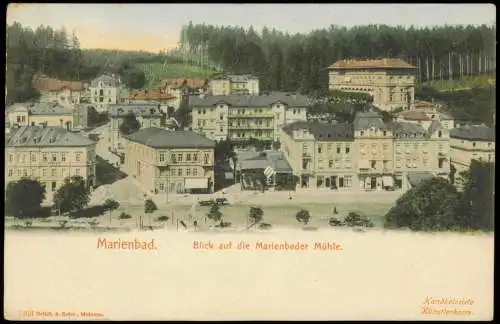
(138, 109)
(162, 138)
(417, 177)
(474, 133)
(365, 120)
(247, 101)
(42, 108)
(406, 130)
(322, 131)
(35, 136)
(108, 80)
(255, 160)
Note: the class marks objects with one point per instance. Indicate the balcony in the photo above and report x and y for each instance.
(250, 126)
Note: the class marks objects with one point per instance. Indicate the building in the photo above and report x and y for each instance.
(148, 115)
(240, 118)
(38, 113)
(229, 84)
(272, 165)
(80, 116)
(166, 161)
(54, 90)
(365, 155)
(391, 82)
(107, 90)
(181, 88)
(473, 142)
(168, 103)
(50, 155)
(425, 117)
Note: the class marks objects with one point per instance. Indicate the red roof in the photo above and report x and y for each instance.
(192, 83)
(44, 83)
(372, 64)
(152, 94)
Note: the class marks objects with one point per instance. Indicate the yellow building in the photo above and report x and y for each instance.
(147, 114)
(367, 155)
(170, 161)
(391, 82)
(38, 113)
(50, 155)
(475, 142)
(240, 118)
(228, 84)
(181, 88)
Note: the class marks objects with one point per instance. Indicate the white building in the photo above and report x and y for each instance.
(107, 90)
(227, 84)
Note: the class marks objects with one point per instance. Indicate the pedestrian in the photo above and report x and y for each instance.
(335, 210)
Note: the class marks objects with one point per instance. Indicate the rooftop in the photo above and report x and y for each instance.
(261, 160)
(138, 109)
(234, 77)
(151, 94)
(162, 138)
(35, 136)
(322, 131)
(247, 101)
(408, 130)
(385, 63)
(474, 133)
(193, 83)
(365, 120)
(44, 83)
(107, 80)
(41, 108)
(417, 115)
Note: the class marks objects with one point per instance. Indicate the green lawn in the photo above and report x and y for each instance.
(462, 84)
(156, 72)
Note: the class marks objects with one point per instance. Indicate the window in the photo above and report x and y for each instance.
(11, 172)
(207, 158)
(338, 149)
(78, 156)
(195, 157)
(440, 133)
(54, 172)
(188, 172)
(62, 172)
(25, 172)
(11, 158)
(162, 187)
(362, 133)
(44, 157)
(44, 172)
(63, 157)
(347, 149)
(162, 157)
(373, 164)
(53, 186)
(384, 133)
(173, 172)
(473, 144)
(330, 163)
(179, 172)
(179, 157)
(320, 148)
(195, 172)
(54, 157)
(77, 171)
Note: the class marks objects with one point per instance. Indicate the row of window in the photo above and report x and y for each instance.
(178, 172)
(188, 157)
(54, 157)
(24, 172)
(258, 133)
(334, 182)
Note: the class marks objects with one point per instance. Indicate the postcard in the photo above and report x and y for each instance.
(249, 162)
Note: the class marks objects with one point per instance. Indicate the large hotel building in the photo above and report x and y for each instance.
(391, 82)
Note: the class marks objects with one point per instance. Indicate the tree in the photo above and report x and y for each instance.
(149, 208)
(276, 145)
(255, 214)
(72, 196)
(23, 197)
(453, 171)
(431, 205)
(129, 125)
(478, 196)
(354, 219)
(183, 114)
(215, 213)
(303, 216)
(333, 221)
(110, 205)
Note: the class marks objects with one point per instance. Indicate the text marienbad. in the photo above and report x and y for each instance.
(120, 244)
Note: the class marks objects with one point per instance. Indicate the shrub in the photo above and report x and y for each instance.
(265, 226)
(162, 219)
(354, 219)
(333, 221)
(124, 215)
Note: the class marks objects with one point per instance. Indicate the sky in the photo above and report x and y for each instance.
(153, 27)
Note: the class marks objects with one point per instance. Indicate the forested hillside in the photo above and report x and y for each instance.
(57, 53)
(298, 62)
